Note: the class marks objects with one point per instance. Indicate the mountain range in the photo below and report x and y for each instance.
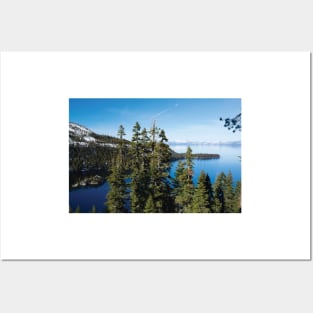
(82, 136)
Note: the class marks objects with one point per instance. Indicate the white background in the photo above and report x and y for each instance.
(275, 93)
(242, 286)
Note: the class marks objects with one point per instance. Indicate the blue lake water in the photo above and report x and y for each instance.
(86, 197)
(229, 161)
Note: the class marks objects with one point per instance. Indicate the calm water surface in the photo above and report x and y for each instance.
(229, 161)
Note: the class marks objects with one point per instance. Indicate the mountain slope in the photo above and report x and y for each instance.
(82, 136)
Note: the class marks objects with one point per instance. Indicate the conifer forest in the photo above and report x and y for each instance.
(138, 174)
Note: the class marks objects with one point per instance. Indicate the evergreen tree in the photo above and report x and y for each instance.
(188, 189)
(159, 165)
(150, 205)
(184, 175)
(77, 209)
(179, 183)
(121, 132)
(209, 188)
(237, 198)
(93, 209)
(138, 194)
(163, 192)
(201, 202)
(121, 145)
(117, 195)
(229, 193)
(189, 164)
(219, 197)
(145, 145)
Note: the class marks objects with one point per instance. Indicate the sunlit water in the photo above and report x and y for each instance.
(229, 161)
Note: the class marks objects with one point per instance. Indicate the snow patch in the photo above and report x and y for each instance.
(89, 138)
(78, 129)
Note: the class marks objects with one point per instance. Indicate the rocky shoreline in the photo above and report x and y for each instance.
(93, 181)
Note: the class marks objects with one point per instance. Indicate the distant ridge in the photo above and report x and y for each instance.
(224, 143)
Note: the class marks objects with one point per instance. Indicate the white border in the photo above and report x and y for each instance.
(275, 93)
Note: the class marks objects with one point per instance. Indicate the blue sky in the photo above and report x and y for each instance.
(182, 119)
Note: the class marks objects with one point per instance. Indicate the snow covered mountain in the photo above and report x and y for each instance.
(82, 136)
(78, 129)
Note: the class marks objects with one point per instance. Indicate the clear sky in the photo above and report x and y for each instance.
(182, 119)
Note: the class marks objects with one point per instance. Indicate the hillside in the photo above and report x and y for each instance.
(82, 136)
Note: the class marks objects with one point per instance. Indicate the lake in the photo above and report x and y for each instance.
(229, 161)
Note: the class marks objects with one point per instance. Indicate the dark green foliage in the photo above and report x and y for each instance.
(209, 188)
(121, 132)
(138, 168)
(159, 165)
(178, 184)
(117, 195)
(138, 174)
(219, 197)
(227, 199)
(148, 171)
(233, 124)
(201, 203)
(150, 205)
(237, 198)
(184, 184)
(229, 194)
(200, 156)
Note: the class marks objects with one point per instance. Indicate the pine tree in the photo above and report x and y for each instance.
(229, 193)
(189, 164)
(138, 175)
(184, 175)
(209, 188)
(121, 132)
(121, 144)
(93, 209)
(159, 165)
(201, 202)
(117, 195)
(219, 198)
(77, 209)
(188, 189)
(179, 182)
(145, 150)
(150, 205)
(237, 198)
(163, 192)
